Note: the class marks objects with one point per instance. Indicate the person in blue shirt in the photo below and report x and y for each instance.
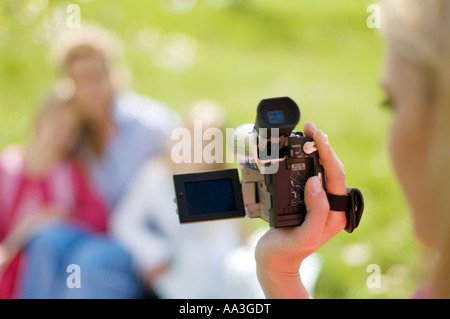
(125, 130)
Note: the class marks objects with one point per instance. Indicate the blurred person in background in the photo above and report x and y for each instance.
(42, 184)
(125, 129)
(176, 261)
(416, 79)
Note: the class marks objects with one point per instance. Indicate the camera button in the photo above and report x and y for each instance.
(309, 147)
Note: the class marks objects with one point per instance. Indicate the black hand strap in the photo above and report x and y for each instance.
(352, 204)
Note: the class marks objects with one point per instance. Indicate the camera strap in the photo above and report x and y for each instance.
(352, 204)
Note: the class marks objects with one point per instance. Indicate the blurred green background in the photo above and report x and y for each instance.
(320, 53)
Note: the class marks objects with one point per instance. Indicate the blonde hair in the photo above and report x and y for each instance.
(418, 32)
(92, 40)
(89, 39)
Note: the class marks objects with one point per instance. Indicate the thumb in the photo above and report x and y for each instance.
(317, 207)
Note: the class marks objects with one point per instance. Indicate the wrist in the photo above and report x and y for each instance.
(281, 281)
(278, 285)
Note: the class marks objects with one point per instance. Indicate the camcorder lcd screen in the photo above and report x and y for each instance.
(209, 195)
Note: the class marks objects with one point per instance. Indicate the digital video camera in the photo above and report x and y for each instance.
(276, 162)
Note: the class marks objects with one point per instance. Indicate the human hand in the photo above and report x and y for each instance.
(5, 257)
(149, 275)
(280, 251)
(50, 212)
(19, 235)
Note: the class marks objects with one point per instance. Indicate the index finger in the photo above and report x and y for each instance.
(334, 170)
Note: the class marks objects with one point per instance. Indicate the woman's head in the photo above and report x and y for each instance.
(416, 78)
(90, 57)
(58, 126)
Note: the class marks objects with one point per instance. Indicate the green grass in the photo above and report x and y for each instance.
(320, 53)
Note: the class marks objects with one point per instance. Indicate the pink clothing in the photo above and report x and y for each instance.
(20, 195)
(422, 293)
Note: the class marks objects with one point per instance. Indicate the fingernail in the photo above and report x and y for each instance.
(316, 185)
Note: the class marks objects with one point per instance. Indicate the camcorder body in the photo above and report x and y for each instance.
(276, 161)
(278, 197)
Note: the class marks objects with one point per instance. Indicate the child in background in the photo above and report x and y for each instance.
(173, 260)
(43, 183)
